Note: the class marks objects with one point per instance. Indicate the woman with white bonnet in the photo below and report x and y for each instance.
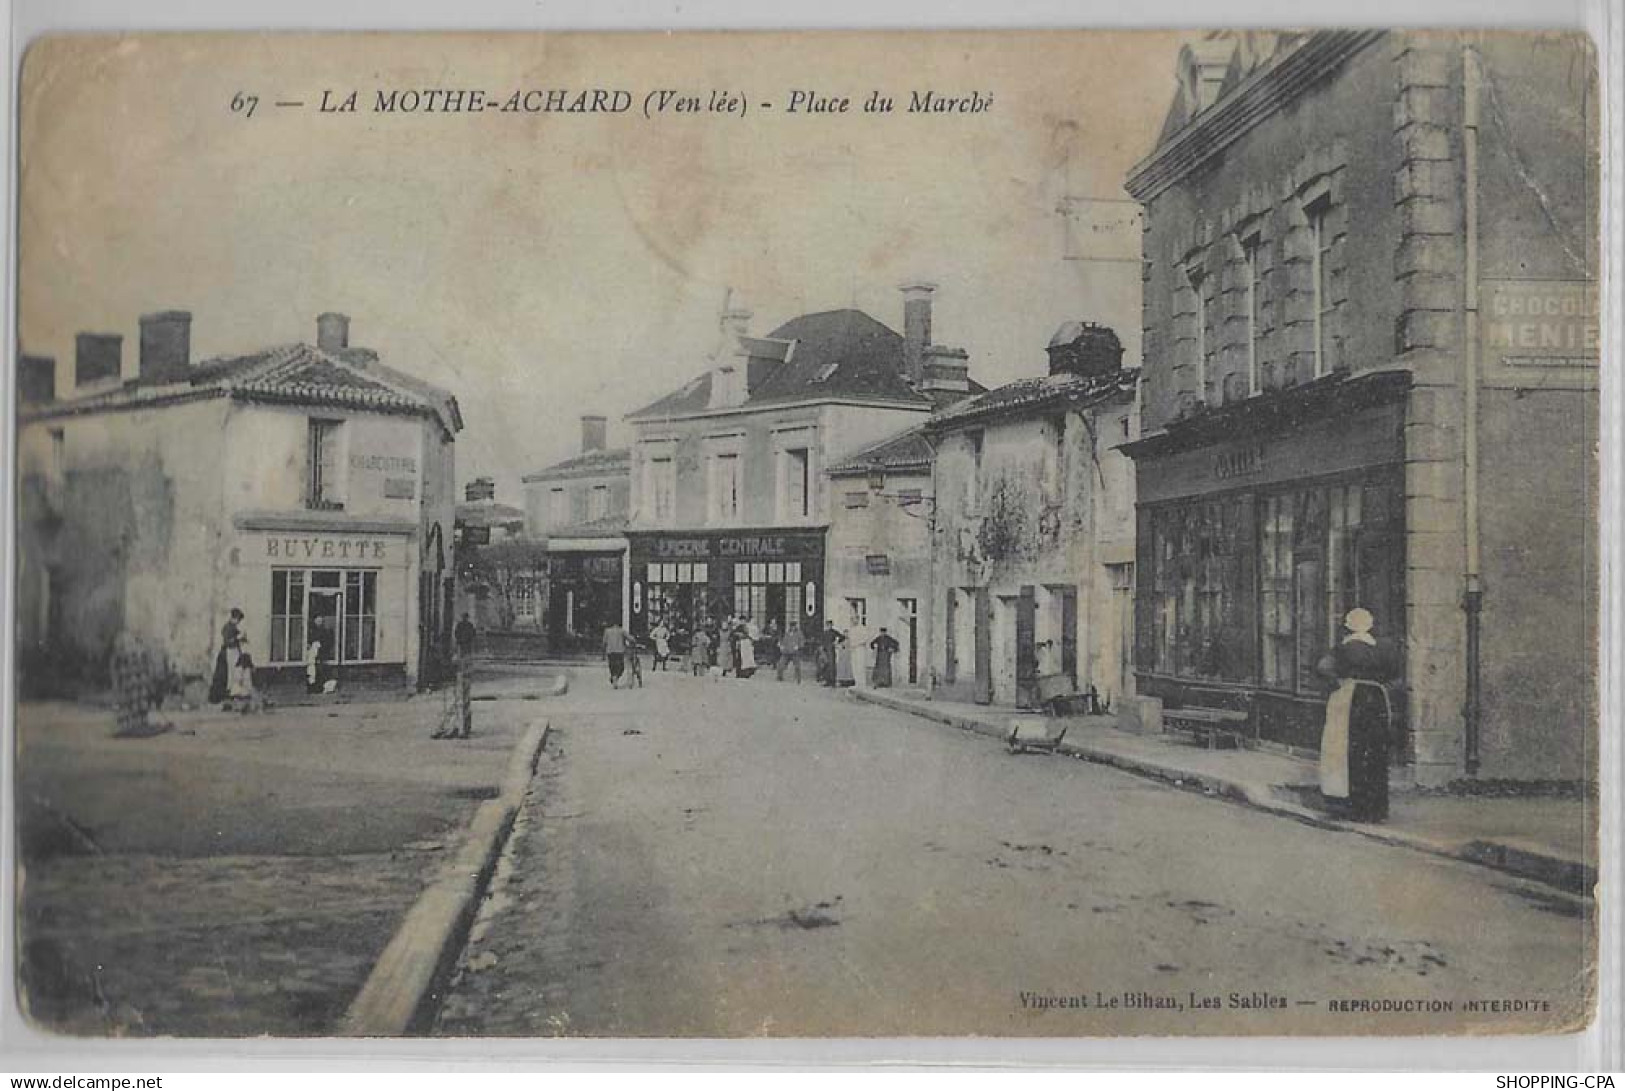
(1359, 718)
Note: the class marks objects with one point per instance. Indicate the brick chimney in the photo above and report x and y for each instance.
(98, 358)
(332, 332)
(916, 327)
(1085, 348)
(481, 488)
(593, 433)
(36, 380)
(166, 347)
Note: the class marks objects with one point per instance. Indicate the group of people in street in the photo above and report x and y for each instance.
(232, 684)
(1354, 748)
(736, 646)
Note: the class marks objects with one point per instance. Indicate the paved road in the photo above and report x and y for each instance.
(744, 858)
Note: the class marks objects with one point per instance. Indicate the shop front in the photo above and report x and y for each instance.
(773, 577)
(1258, 530)
(339, 596)
(585, 593)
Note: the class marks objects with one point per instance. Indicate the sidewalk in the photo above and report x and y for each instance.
(1549, 840)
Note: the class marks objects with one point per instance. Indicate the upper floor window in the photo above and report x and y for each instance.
(1320, 245)
(661, 487)
(725, 485)
(795, 483)
(973, 480)
(1252, 270)
(558, 507)
(324, 486)
(1196, 278)
(598, 502)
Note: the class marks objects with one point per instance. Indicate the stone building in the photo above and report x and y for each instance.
(878, 556)
(1370, 364)
(501, 574)
(730, 502)
(578, 509)
(1033, 544)
(309, 485)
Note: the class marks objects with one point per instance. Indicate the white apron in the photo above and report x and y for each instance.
(1334, 742)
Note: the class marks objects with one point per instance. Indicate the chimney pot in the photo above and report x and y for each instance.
(1085, 348)
(98, 358)
(332, 332)
(593, 433)
(166, 347)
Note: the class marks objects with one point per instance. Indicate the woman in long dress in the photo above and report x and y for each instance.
(225, 659)
(1359, 722)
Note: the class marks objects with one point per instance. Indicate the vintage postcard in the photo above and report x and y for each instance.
(1062, 534)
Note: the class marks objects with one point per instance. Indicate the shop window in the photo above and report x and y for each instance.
(324, 484)
(1276, 571)
(287, 616)
(1200, 608)
(360, 616)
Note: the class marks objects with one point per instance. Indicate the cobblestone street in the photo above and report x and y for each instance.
(745, 858)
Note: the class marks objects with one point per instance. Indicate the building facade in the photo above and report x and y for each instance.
(310, 486)
(1370, 373)
(1033, 543)
(878, 552)
(730, 501)
(578, 509)
(501, 574)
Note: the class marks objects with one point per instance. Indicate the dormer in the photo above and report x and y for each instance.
(1202, 69)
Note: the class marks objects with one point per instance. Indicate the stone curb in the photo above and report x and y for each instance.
(403, 990)
(1570, 876)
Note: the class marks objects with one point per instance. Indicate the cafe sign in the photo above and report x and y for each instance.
(1539, 333)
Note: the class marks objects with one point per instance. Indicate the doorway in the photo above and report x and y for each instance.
(908, 617)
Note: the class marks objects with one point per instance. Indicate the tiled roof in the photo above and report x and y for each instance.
(906, 450)
(834, 354)
(296, 374)
(1038, 392)
(614, 460)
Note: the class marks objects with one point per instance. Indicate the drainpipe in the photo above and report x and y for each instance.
(1473, 589)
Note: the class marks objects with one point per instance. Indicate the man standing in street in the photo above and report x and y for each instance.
(464, 636)
(790, 651)
(615, 652)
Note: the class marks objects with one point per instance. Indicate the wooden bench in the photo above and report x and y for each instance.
(1211, 725)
